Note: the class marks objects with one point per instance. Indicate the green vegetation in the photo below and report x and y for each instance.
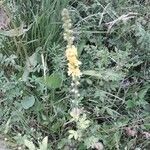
(39, 108)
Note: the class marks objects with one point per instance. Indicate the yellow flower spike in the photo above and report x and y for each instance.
(73, 63)
(71, 53)
(71, 50)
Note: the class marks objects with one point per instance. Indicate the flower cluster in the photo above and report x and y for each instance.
(73, 63)
(71, 51)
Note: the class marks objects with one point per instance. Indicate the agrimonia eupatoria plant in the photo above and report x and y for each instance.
(78, 115)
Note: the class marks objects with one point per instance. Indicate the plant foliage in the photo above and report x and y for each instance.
(113, 42)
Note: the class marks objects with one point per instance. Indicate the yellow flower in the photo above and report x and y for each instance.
(74, 72)
(71, 51)
(73, 62)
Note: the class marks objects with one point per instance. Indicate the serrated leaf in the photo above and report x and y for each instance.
(106, 75)
(74, 134)
(28, 102)
(112, 75)
(92, 73)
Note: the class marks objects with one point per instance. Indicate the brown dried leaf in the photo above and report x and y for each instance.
(4, 19)
(98, 146)
(130, 132)
(146, 135)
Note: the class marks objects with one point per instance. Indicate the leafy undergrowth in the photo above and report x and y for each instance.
(113, 42)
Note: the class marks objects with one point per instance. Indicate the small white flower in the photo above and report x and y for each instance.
(75, 91)
(19, 148)
(72, 84)
(78, 95)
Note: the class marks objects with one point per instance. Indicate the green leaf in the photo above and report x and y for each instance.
(142, 93)
(112, 112)
(25, 75)
(43, 145)
(62, 143)
(29, 144)
(90, 141)
(107, 75)
(28, 102)
(130, 104)
(93, 73)
(31, 63)
(15, 32)
(53, 81)
(7, 126)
